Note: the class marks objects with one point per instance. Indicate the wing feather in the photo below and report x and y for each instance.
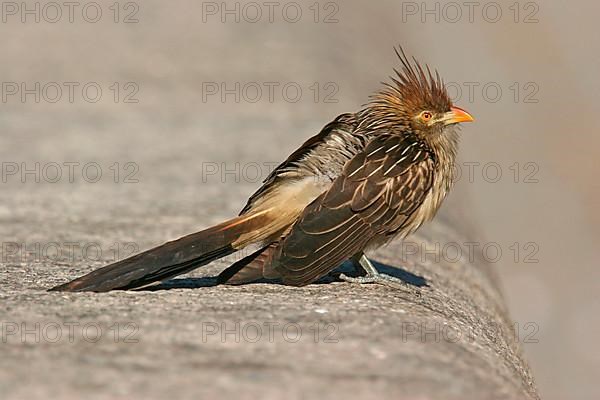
(376, 193)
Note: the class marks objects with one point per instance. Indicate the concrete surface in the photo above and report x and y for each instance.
(448, 340)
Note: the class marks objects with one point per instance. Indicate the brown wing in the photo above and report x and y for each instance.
(336, 138)
(376, 194)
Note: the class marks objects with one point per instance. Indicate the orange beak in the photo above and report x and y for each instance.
(456, 115)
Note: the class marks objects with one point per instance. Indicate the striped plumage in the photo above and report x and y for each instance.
(364, 179)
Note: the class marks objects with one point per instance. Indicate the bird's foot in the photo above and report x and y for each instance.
(380, 278)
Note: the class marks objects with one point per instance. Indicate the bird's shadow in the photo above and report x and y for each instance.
(346, 268)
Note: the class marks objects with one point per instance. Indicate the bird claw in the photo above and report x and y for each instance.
(380, 278)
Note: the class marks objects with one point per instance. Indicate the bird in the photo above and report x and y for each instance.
(365, 179)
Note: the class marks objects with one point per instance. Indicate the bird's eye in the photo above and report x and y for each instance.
(426, 116)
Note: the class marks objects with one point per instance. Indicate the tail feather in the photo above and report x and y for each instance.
(174, 258)
(249, 268)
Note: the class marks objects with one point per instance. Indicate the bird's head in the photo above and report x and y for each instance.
(417, 100)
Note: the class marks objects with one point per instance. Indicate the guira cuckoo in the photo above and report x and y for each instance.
(367, 178)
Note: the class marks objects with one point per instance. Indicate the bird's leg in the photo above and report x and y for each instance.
(372, 276)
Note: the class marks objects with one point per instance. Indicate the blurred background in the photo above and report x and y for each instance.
(144, 83)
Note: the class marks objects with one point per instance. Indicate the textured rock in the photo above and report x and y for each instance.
(445, 336)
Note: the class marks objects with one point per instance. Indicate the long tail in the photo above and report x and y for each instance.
(176, 257)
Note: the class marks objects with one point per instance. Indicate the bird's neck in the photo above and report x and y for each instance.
(377, 118)
(445, 147)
